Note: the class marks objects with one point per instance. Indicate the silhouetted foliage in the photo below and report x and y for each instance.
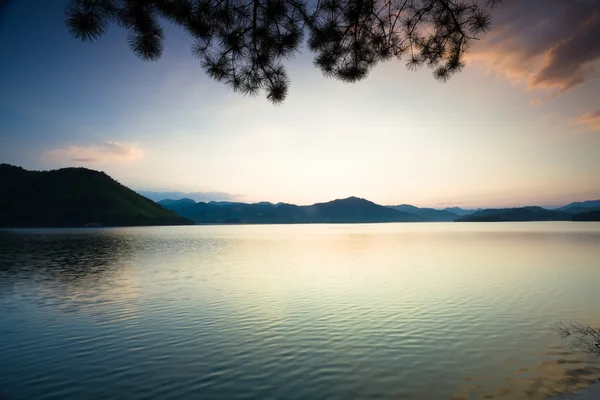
(585, 337)
(243, 43)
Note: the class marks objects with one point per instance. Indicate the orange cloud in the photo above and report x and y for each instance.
(108, 152)
(568, 64)
(549, 45)
(589, 119)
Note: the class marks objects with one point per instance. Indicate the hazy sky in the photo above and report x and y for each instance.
(520, 125)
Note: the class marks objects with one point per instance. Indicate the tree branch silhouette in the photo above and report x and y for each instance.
(584, 337)
(243, 43)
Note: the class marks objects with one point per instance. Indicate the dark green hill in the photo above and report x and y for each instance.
(516, 214)
(74, 197)
(593, 215)
(350, 210)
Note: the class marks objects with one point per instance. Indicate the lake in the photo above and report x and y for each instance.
(388, 311)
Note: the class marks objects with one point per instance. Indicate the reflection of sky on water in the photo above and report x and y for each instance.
(392, 310)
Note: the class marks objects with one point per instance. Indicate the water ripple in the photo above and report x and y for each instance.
(409, 311)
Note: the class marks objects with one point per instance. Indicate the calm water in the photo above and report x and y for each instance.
(391, 311)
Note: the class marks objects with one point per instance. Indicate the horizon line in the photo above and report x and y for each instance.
(236, 198)
(554, 206)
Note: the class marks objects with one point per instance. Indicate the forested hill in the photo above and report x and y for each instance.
(74, 197)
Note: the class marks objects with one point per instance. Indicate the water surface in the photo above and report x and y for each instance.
(389, 311)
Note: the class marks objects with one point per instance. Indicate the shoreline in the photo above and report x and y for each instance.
(280, 223)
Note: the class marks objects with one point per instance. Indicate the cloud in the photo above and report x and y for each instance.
(108, 152)
(550, 44)
(568, 64)
(536, 102)
(589, 120)
(196, 196)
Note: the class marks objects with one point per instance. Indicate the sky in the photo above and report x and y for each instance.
(520, 125)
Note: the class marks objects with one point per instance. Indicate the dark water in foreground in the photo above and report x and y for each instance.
(391, 311)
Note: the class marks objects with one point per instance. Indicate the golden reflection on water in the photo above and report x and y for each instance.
(537, 257)
(573, 371)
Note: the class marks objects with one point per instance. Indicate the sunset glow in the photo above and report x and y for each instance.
(518, 126)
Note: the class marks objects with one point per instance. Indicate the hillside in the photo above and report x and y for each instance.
(580, 207)
(461, 212)
(534, 213)
(587, 216)
(428, 214)
(350, 210)
(74, 197)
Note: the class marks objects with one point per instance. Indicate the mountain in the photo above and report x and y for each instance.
(354, 209)
(533, 213)
(460, 211)
(196, 196)
(223, 203)
(219, 213)
(580, 207)
(183, 201)
(74, 197)
(428, 214)
(350, 210)
(593, 215)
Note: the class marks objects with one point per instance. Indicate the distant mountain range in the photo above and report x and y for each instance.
(83, 197)
(593, 215)
(350, 210)
(580, 207)
(578, 211)
(73, 197)
(429, 214)
(516, 214)
(196, 196)
(460, 211)
(358, 210)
